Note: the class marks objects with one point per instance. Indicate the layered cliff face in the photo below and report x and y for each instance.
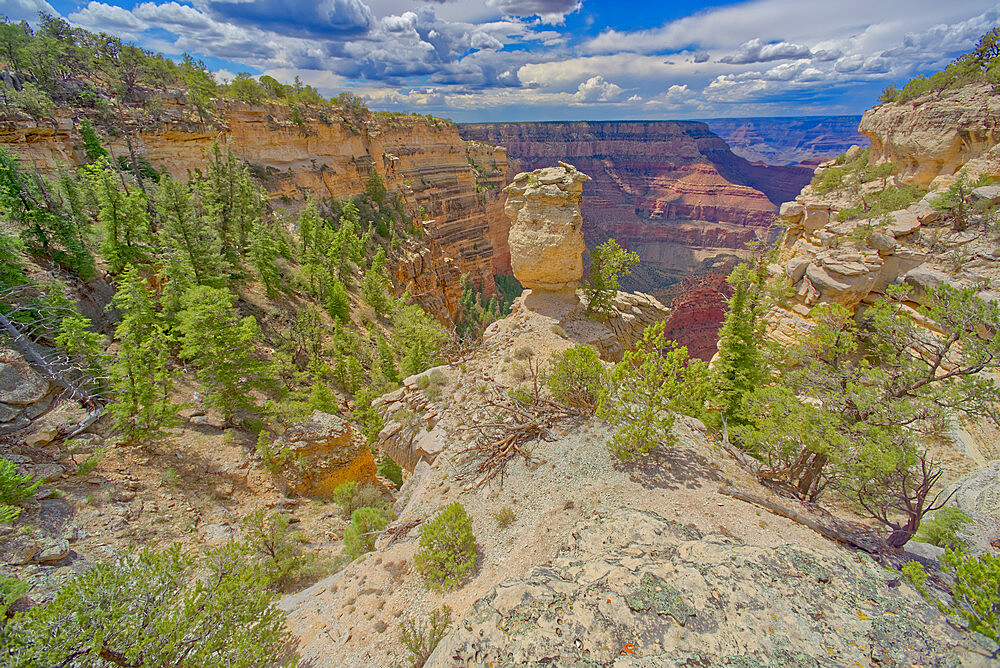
(330, 155)
(934, 136)
(697, 312)
(672, 191)
(789, 141)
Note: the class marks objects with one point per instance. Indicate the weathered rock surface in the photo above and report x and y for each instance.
(657, 592)
(978, 494)
(322, 453)
(935, 136)
(546, 236)
(24, 393)
(409, 436)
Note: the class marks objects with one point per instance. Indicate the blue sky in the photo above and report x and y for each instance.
(560, 59)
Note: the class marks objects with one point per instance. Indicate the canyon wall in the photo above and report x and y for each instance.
(329, 154)
(788, 141)
(671, 191)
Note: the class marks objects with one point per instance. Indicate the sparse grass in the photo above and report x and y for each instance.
(558, 331)
(422, 637)
(524, 353)
(170, 477)
(87, 466)
(504, 517)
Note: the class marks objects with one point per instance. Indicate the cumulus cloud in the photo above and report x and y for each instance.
(25, 10)
(756, 51)
(550, 11)
(596, 89)
(100, 16)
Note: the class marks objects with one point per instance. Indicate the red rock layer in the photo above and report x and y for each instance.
(697, 313)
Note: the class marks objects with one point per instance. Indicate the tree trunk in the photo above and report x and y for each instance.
(901, 535)
(805, 473)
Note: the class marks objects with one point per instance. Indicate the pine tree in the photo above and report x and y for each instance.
(220, 345)
(387, 364)
(741, 366)
(376, 288)
(337, 303)
(124, 220)
(196, 243)
(92, 147)
(233, 200)
(265, 247)
(140, 378)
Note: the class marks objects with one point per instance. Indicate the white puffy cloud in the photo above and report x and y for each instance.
(550, 11)
(756, 51)
(596, 89)
(100, 16)
(25, 10)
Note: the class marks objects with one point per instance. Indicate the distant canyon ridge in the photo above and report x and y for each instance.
(688, 196)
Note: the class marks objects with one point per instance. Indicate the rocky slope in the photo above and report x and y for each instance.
(672, 191)
(330, 154)
(789, 141)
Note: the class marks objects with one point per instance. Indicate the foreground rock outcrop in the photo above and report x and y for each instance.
(652, 591)
(24, 393)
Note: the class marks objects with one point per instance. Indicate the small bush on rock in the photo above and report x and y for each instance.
(975, 595)
(359, 537)
(447, 552)
(577, 377)
(14, 488)
(943, 529)
(350, 496)
(422, 637)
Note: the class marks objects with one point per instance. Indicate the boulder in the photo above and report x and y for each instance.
(53, 552)
(19, 383)
(795, 268)
(816, 217)
(924, 278)
(988, 195)
(978, 494)
(792, 212)
(322, 453)
(546, 236)
(904, 222)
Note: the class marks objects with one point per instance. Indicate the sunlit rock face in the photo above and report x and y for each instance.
(546, 231)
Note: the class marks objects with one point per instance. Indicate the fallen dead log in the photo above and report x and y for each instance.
(866, 543)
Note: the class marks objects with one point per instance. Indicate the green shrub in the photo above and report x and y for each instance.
(646, 387)
(975, 595)
(447, 553)
(350, 496)
(278, 550)
(15, 487)
(524, 353)
(359, 537)
(943, 529)
(389, 469)
(155, 609)
(608, 263)
(577, 377)
(422, 637)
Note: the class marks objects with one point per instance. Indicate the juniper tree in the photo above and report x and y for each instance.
(741, 365)
(141, 380)
(891, 386)
(220, 344)
(608, 262)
